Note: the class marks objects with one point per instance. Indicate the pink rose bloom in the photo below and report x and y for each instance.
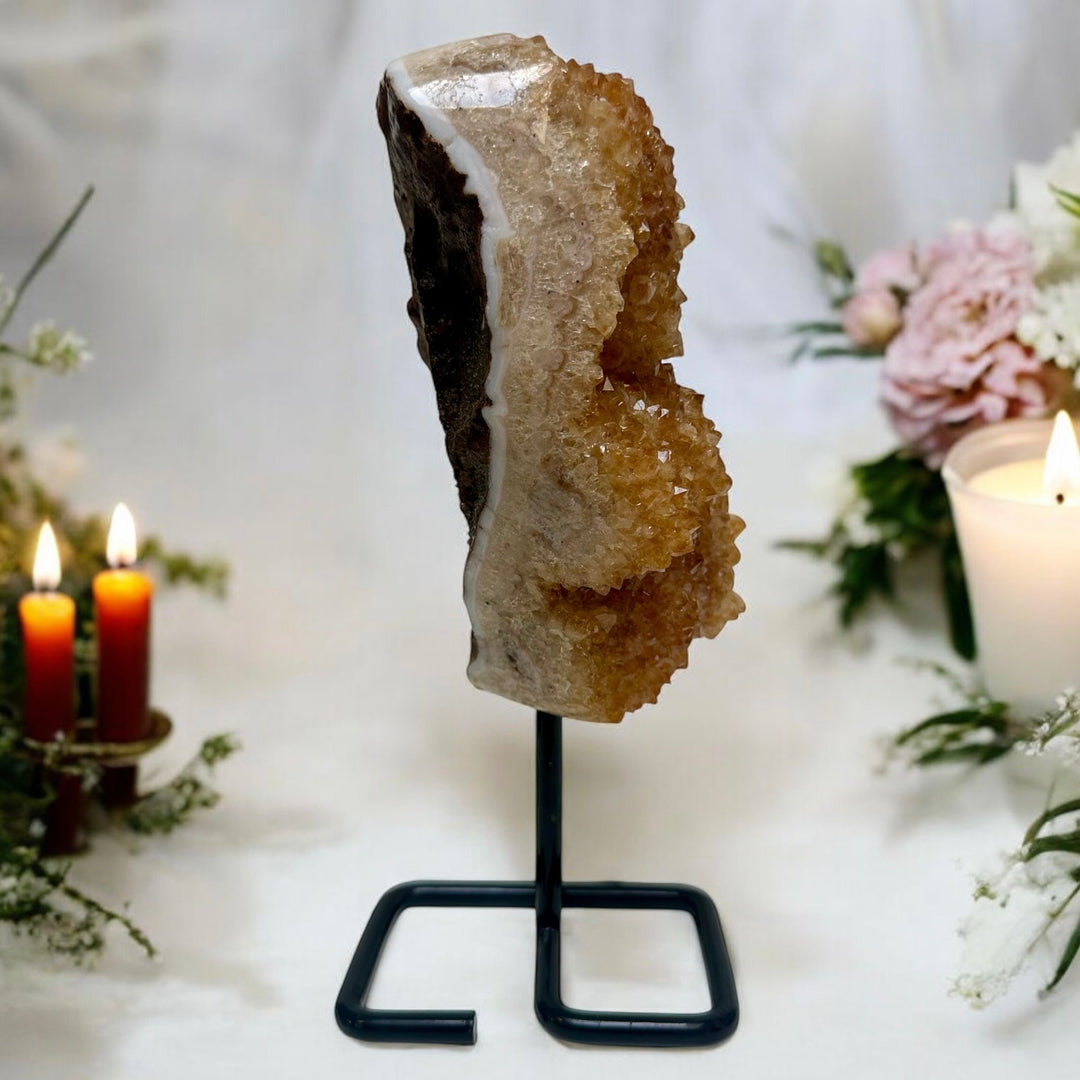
(956, 365)
(889, 270)
(871, 319)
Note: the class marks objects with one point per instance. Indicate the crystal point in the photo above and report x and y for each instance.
(542, 235)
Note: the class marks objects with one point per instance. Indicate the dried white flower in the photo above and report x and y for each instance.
(59, 351)
(1015, 907)
(1057, 732)
(1052, 327)
(1054, 233)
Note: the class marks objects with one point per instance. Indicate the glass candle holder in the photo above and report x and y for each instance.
(1021, 551)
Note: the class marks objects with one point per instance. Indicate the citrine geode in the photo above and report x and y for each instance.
(542, 236)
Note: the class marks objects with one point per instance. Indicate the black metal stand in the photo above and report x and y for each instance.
(548, 894)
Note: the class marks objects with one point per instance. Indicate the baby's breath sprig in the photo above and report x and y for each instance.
(175, 802)
(37, 899)
(1032, 899)
(1029, 903)
(982, 730)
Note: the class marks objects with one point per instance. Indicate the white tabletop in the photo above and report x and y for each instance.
(257, 393)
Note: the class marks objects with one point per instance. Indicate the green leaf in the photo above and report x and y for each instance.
(906, 506)
(851, 352)
(800, 350)
(1068, 201)
(967, 718)
(865, 573)
(971, 754)
(817, 328)
(818, 548)
(1068, 843)
(1070, 807)
(957, 602)
(833, 262)
(1067, 957)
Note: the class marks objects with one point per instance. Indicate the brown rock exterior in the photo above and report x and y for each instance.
(542, 235)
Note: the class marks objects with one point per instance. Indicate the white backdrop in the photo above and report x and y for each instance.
(257, 393)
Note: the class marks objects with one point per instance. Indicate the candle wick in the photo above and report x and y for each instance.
(1060, 498)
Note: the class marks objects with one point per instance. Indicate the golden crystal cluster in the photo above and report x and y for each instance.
(608, 544)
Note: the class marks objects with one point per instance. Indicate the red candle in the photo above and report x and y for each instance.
(122, 607)
(48, 628)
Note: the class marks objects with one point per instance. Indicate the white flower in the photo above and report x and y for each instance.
(1057, 732)
(1052, 327)
(1054, 233)
(1012, 913)
(49, 348)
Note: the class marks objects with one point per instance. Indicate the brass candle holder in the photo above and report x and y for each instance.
(66, 759)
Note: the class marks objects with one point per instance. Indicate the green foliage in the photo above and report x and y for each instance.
(36, 895)
(177, 568)
(824, 339)
(175, 802)
(836, 271)
(899, 511)
(1068, 201)
(37, 899)
(979, 731)
(1051, 834)
(975, 735)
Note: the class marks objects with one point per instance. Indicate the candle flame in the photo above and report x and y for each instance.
(121, 548)
(46, 561)
(1061, 474)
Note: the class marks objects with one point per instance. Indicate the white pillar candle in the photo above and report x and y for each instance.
(1015, 496)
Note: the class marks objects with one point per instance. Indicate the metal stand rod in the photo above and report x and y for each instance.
(548, 819)
(548, 894)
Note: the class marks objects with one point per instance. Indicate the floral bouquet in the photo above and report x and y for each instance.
(979, 326)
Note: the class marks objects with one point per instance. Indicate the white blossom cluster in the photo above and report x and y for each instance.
(1025, 903)
(1052, 327)
(1019, 906)
(1057, 732)
(59, 351)
(1054, 232)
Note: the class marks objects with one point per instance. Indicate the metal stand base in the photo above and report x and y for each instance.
(548, 894)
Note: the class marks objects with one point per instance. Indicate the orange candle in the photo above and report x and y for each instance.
(122, 608)
(48, 629)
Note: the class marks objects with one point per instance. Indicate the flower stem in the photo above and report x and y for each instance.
(46, 254)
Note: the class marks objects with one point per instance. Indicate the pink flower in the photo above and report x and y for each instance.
(895, 270)
(956, 365)
(871, 319)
